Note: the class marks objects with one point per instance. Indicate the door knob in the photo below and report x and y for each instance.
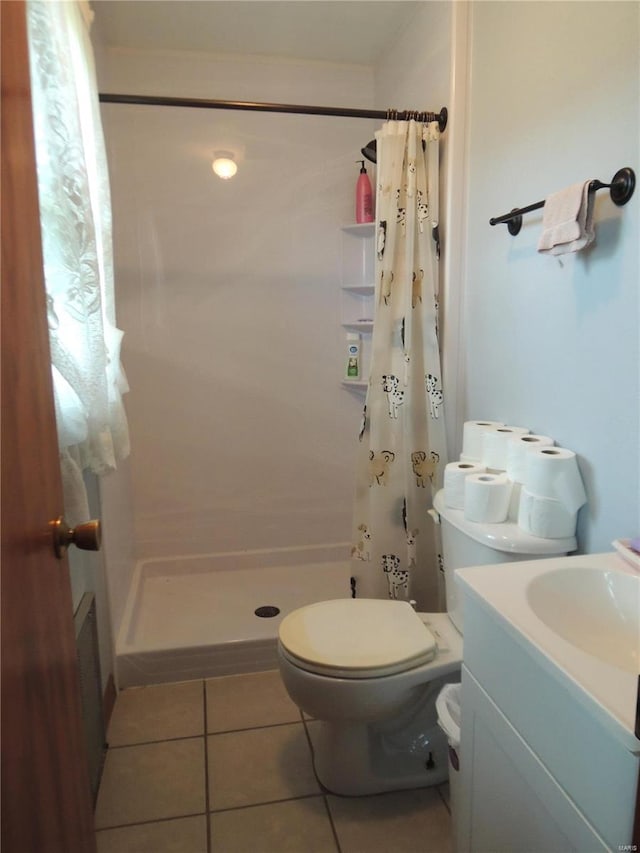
(87, 536)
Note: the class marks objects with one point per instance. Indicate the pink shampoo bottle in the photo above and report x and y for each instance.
(364, 196)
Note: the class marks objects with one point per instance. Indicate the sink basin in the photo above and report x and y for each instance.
(597, 611)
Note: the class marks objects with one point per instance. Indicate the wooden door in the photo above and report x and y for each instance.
(46, 801)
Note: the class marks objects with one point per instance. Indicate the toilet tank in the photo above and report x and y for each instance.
(469, 543)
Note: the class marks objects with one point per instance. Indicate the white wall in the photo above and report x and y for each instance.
(553, 344)
(414, 71)
(229, 296)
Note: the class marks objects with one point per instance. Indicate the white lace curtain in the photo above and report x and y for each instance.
(75, 216)
(402, 449)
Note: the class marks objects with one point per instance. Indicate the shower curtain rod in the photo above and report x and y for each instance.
(300, 109)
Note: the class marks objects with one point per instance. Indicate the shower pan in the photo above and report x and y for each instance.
(215, 614)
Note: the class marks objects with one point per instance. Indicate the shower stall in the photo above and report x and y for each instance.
(239, 490)
(238, 493)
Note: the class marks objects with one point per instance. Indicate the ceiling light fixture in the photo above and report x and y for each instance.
(224, 165)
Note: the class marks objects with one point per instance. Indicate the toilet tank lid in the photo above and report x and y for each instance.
(506, 536)
(360, 634)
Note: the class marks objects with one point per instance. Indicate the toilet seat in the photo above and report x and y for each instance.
(356, 638)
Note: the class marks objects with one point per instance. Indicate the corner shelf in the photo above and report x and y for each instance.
(358, 292)
(363, 229)
(363, 326)
(362, 289)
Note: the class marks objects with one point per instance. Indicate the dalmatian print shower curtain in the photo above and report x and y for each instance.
(402, 452)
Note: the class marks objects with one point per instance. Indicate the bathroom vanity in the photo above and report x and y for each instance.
(549, 758)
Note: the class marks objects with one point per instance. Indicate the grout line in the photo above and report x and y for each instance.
(253, 728)
(206, 767)
(331, 823)
(313, 755)
(206, 734)
(147, 822)
(308, 736)
(149, 742)
(266, 803)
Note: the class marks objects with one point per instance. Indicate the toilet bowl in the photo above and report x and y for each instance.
(368, 671)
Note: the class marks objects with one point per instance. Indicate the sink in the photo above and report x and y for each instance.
(596, 610)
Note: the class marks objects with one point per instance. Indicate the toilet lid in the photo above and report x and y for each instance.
(357, 637)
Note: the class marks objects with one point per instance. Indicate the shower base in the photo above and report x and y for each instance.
(194, 616)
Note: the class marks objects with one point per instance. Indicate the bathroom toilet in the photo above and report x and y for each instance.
(368, 671)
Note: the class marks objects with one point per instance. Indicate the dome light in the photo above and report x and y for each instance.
(224, 165)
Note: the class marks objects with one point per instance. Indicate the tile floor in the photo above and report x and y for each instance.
(225, 766)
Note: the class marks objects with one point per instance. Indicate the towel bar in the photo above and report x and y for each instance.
(620, 189)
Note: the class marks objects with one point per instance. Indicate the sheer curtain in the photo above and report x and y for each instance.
(75, 215)
(402, 449)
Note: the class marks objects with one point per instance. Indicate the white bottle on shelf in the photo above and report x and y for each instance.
(352, 366)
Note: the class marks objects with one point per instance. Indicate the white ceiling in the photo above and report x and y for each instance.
(353, 31)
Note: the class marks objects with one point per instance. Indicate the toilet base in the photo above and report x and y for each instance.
(354, 759)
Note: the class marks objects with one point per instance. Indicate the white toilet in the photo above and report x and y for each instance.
(369, 671)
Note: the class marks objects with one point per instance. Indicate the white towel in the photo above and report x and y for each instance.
(567, 220)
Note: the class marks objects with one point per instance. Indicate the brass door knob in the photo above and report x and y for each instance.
(87, 536)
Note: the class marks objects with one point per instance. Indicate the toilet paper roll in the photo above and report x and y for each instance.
(495, 445)
(486, 497)
(455, 473)
(472, 433)
(552, 472)
(514, 502)
(517, 449)
(547, 518)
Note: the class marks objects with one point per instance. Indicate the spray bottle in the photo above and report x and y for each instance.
(352, 367)
(364, 196)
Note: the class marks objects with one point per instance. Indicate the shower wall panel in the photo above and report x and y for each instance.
(228, 293)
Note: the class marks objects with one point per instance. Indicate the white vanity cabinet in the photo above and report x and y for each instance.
(543, 768)
(510, 801)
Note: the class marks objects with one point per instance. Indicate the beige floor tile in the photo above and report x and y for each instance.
(161, 712)
(259, 766)
(400, 822)
(248, 701)
(151, 782)
(295, 826)
(184, 835)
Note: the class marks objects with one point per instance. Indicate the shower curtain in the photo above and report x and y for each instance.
(402, 452)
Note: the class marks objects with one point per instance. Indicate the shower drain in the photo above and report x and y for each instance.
(267, 611)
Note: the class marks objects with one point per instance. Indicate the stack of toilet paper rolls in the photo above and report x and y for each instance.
(507, 473)
(552, 493)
